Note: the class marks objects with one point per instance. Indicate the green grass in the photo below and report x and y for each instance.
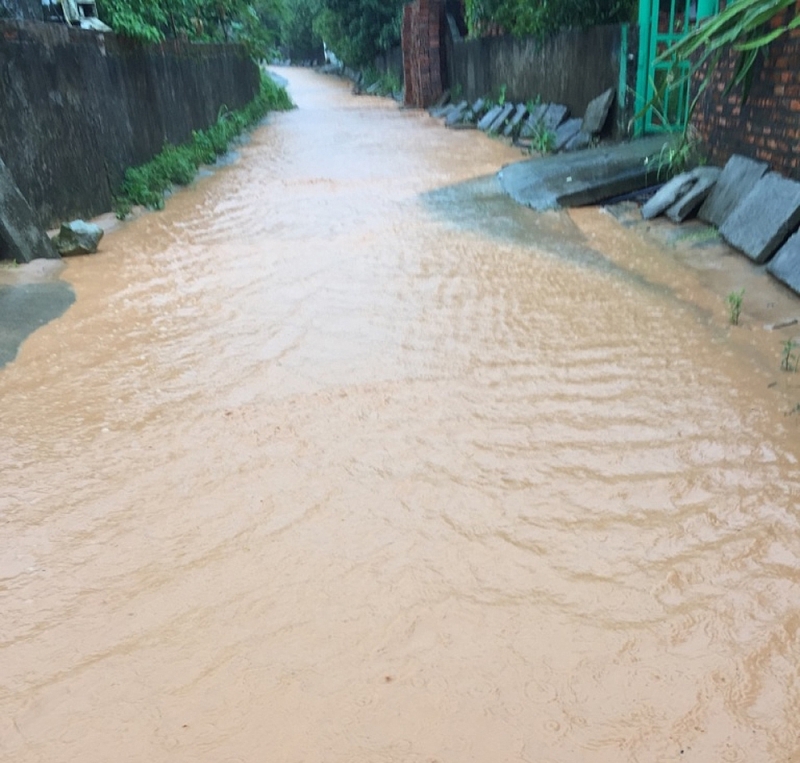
(177, 165)
(734, 300)
(789, 358)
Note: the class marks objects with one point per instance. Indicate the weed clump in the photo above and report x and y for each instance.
(734, 300)
(177, 165)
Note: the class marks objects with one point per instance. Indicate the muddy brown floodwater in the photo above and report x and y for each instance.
(344, 458)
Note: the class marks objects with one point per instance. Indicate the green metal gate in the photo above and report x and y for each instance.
(661, 24)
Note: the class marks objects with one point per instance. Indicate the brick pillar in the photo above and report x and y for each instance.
(422, 54)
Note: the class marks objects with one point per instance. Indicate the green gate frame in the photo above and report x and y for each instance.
(652, 79)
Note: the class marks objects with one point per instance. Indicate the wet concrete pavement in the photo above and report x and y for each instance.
(344, 456)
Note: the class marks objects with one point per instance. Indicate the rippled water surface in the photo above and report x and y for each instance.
(344, 458)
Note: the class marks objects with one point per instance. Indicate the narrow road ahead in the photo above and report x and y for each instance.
(344, 458)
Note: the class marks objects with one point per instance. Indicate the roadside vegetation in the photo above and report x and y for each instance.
(147, 184)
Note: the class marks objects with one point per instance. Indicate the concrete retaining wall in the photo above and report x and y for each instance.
(79, 107)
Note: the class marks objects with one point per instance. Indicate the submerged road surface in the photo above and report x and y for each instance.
(344, 458)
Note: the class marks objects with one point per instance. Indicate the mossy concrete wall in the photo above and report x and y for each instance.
(30, 10)
(79, 107)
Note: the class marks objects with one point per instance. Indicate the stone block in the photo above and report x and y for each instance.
(736, 181)
(489, 117)
(533, 121)
(579, 141)
(785, 265)
(705, 179)
(554, 116)
(456, 114)
(478, 106)
(763, 220)
(566, 132)
(597, 112)
(667, 195)
(499, 121)
(518, 115)
(78, 237)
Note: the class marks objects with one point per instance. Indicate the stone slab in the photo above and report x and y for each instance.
(579, 141)
(505, 112)
(705, 179)
(763, 220)
(584, 177)
(533, 121)
(489, 117)
(554, 116)
(596, 115)
(667, 195)
(456, 114)
(736, 181)
(21, 238)
(785, 265)
(477, 106)
(566, 132)
(518, 115)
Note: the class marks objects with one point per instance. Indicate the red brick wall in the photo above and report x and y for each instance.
(422, 53)
(767, 126)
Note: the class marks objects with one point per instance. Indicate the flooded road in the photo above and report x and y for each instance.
(345, 458)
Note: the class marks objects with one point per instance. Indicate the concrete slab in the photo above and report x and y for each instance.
(21, 238)
(554, 116)
(705, 179)
(505, 112)
(667, 195)
(518, 115)
(785, 265)
(477, 106)
(489, 117)
(566, 132)
(736, 181)
(597, 112)
(456, 113)
(584, 177)
(763, 220)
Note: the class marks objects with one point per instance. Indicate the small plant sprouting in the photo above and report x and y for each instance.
(543, 141)
(789, 358)
(501, 99)
(734, 300)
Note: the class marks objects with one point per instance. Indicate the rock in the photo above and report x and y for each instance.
(456, 114)
(667, 195)
(554, 116)
(763, 220)
(579, 141)
(489, 117)
(78, 237)
(705, 178)
(373, 88)
(736, 181)
(501, 118)
(566, 132)
(477, 107)
(597, 112)
(443, 100)
(516, 118)
(21, 237)
(785, 266)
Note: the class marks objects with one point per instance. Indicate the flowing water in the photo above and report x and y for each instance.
(345, 458)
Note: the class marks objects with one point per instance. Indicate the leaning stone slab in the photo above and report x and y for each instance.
(579, 141)
(501, 118)
(489, 117)
(736, 181)
(477, 106)
(763, 220)
(20, 234)
(597, 112)
(533, 121)
(785, 265)
(516, 118)
(566, 132)
(442, 101)
(554, 116)
(78, 237)
(667, 195)
(705, 178)
(456, 114)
